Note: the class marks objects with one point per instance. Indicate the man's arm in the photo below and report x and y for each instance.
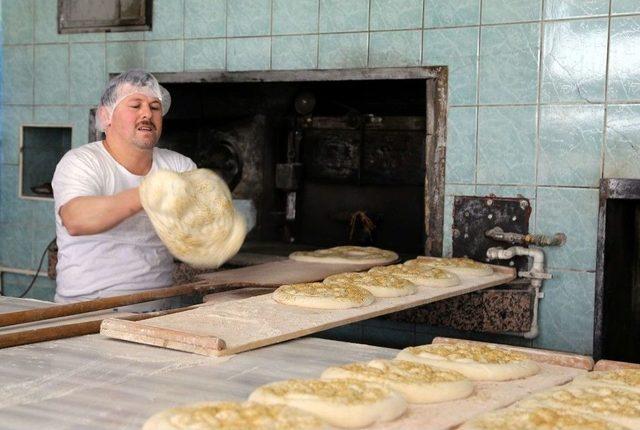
(96, 214)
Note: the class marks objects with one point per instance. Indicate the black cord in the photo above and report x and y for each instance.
(35, 276)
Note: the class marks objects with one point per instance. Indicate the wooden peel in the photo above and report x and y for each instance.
(31, 315)
(63, 331)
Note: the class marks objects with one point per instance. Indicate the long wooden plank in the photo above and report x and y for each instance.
(258, 321)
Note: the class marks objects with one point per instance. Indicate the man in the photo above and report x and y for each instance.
(106, 243)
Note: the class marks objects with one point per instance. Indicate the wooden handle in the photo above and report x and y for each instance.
(31, 315)
(159, 336)
(63, 331)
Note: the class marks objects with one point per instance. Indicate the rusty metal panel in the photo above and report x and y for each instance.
(82, 16)
(473, 216)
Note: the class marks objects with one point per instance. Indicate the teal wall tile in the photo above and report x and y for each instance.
(506, 145)
(447, 13)
(14, 285)
(43, 217)
(509, 63)
(624, 59)
(566, 313)
(456, 48)
(14, 210)
(574, 61)
(51, 115)
(204, 54)
(123, 36)
(42, 236)
(574, 212)
(251, 53)
(88, 72)
(17, 76)
(396, 14)
(622, 154)
(459, 189)
(625, 6)
(507, 191)
(295, 16)
(17, 21)
(461, 145)
(344, 15)
(122, 56)
(51, 84)
(294, 52)
(570, 145)
(504, 11)
(558, 9)
(12, 119)
(16, 247)
(167, 20)
(164, 56)
(46, 22)
(249, 17)
(79, 118)
(395, 48)
(341, 51)
(205, 18)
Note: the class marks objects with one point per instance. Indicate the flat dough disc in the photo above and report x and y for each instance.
(323, 296)
(194, 216)
(378, 285)
(233, 415)
(476, 362)
(538, 418)
(623, 378)
(346, 255)
(418, 383)
(419, 275)
(459, 266)
(613, 404)
(341, 402)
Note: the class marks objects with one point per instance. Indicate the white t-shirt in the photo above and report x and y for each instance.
(128, 258)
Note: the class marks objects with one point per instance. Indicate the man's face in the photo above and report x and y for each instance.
(138, 120)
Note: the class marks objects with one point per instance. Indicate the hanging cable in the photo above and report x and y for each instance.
(35, 276)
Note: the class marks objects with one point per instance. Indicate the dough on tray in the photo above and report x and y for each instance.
(346, 255)
(380, 285)
(323, 296)
(418, 383)
(345, 403)
(194, 216)
(459, 266)
(476, 362)
(622, 378)
(421, 276)
(538, 418)
(233, 415)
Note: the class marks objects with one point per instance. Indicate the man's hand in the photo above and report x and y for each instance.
(96, 214)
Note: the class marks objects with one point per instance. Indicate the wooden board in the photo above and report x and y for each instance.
(258, 321)
(276, 273)
(615, 365)
(565, 359)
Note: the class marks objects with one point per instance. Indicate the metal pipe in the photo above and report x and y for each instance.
(536, 274)
(498, 234)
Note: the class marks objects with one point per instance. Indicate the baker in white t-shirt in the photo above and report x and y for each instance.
(106, 243)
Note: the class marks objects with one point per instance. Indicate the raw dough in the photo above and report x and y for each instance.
(346, 255)
(538, 418)
(476, 362)
(233, 416)
(193, 214)
(418, 383)
(623, 378)
(419, 275)
(323, 296)
(341, 402)
(612, 404)
(459, 266)
(377, 284)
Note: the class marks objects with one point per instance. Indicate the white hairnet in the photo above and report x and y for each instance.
(134, 81)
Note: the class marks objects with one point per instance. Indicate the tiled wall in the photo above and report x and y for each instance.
(544, 100)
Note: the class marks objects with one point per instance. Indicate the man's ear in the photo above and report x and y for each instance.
(103, 117)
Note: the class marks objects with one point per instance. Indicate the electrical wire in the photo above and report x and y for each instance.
(35, 276)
